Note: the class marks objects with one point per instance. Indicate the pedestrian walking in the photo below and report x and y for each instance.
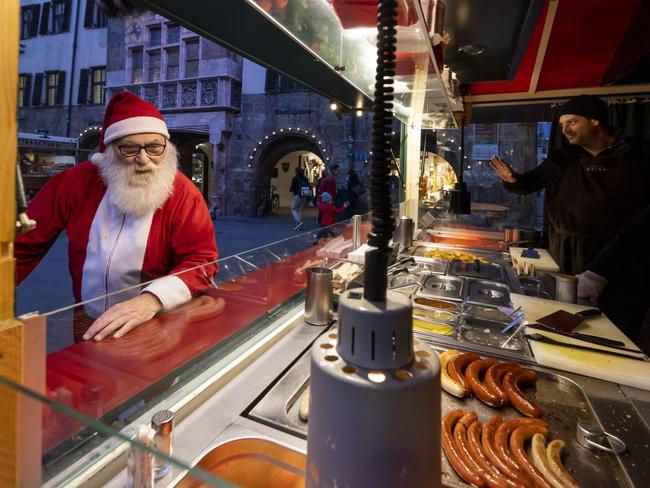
(301, 190)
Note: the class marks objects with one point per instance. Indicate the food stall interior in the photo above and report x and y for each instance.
(233, 364)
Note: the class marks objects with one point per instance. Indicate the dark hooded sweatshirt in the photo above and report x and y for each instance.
(589, 199)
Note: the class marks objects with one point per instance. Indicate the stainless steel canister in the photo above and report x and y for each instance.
(404, 232)
(356, 231)
(318, 300)
(566, 288)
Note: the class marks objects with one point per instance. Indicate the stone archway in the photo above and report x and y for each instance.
(88, 143)
(269, 153)
(188, 147)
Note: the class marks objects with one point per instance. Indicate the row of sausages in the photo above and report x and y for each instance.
(494, 383)
(493, 455)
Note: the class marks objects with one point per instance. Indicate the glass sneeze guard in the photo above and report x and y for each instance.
(343, 35)
(114, 381)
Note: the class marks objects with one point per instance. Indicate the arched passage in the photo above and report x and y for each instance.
(271, 157)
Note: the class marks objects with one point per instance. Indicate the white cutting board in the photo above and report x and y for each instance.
(604, 366)
(544, 263)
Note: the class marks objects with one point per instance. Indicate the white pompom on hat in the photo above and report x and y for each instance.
(128, 114)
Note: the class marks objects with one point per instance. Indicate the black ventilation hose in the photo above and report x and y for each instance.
(375, 282)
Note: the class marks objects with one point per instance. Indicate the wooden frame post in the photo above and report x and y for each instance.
(20, 417)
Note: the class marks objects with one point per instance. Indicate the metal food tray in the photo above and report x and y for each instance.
(488, 333)
(451, 288)
(485, 271)
(419, 248)
(562, 400)
(433, 265)
(491, 293)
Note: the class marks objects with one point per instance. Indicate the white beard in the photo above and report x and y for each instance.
(136, 189)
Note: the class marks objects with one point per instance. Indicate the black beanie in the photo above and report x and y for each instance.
(586, 106)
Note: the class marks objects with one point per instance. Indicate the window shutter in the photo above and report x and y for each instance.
(45, 20)
(60, 89)
(38, 90)
(68, 14)
(82, 97)
(27, 90)
(271, 80)
(90, 11)
(36, 10)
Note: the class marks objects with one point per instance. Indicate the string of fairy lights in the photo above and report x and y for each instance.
(94, 128)
(282, 132)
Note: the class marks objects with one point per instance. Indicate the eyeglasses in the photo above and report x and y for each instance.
(130, 150)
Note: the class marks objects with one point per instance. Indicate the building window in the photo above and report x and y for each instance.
(55, 88)
(92, 85)
(235, 95)
(99, 84)
(173, 34)
(137, 65)
(272, 81)
(55, 18)
(173, 63)
(94, 18)
(24, 89)
(29, 21)
(191, 58)
(154, 66)
(154, 36)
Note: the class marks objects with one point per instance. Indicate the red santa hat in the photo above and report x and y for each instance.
(128, 114)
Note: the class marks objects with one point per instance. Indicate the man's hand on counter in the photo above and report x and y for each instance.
(503, 169)
(121, 318)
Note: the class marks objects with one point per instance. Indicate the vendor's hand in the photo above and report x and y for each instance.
(346, 204)
(121, 318)
(503, 169)
(590, 286)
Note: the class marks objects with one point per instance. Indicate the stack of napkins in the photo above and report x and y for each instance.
(359, 254)
(335, 249)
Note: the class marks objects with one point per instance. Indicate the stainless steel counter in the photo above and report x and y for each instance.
(232, 411)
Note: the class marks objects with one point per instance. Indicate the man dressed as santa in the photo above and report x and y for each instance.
(131, 218)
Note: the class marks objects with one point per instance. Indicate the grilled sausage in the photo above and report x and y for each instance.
(447, 382)
(473, 374)
(553, 455)
(456, 368)
(487, 442)
(540, 461)
(517, 439)
(476, 450)
(452, 452)
(501, 441)
(303, 411)
(494, 377)
(511, 382)
(460, 436)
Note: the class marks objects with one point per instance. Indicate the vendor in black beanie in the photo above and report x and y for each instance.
(594, 186)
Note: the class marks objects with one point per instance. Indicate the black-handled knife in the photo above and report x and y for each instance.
(603, 341)
(590, 312)
(548, 340)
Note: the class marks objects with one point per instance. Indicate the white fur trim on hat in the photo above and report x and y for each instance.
(135, 125)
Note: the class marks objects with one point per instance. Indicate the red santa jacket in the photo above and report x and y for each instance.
(111, 251)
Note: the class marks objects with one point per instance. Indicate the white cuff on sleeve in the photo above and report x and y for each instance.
(601, 280)
(170, 290)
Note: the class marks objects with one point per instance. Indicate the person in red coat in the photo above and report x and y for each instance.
(328, 211)
(327, 184)
(131, 218)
